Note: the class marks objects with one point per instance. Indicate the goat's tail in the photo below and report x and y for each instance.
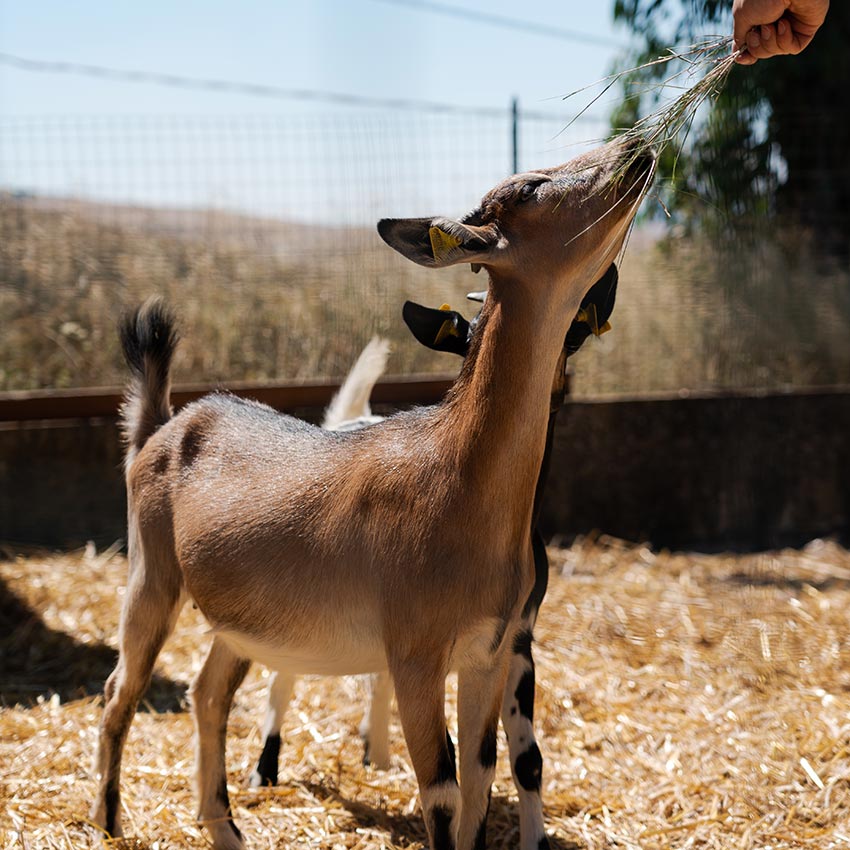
(352, 400)
(148, 338)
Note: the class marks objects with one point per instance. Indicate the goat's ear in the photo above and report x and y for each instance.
(596, 308)
(438, 242)
(440, 330)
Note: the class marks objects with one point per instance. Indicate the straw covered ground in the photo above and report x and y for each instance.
(683, 701)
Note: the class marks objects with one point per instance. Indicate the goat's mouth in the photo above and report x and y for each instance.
(623, 175)
(634, 167)
(630, 179)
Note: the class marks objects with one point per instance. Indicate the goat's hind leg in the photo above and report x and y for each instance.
(212, 693)
(518, 715)
(281, 686)
(151, 604)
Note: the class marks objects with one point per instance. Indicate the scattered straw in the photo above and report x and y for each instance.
(684, 701)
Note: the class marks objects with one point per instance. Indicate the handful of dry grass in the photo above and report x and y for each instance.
(702, 70)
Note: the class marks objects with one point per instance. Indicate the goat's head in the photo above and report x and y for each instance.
(552, 231)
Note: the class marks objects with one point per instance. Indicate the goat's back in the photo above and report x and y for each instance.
(274, 520)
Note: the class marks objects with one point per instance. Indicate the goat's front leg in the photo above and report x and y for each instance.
(420, 694)
(281, 686)
(518, 713)
(478, 701)
(375, 727)
(212, 693)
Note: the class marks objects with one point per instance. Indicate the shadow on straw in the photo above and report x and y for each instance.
(38, 661)
(410, 829)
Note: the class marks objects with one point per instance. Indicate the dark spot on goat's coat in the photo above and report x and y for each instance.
(441, 828)
(446, 764)
(522, 643)
(191, 444)
(269, 758)
(529, 768)
(160, 464)
(525, 694)
(481, 835)
(538, 545)
(487, 753)
(111, 797)
(221, 795)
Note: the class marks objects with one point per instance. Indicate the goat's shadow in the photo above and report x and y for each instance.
(39, 661)
(405, 830)
(751, 579)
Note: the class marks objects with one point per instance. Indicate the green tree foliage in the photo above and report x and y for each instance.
(775, 143)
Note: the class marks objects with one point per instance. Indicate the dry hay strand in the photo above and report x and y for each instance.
(683, 701)
(703, 68)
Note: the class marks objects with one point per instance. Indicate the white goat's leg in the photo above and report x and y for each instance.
(212, 693)
(281, 686)
(518, 720)
(478, 701)
(375, 727)
(420, 694)
(151, 606)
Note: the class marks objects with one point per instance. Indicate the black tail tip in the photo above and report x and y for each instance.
(149, 331)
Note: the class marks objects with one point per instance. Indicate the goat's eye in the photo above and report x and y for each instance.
(528, 190)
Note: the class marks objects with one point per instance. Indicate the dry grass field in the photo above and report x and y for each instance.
(684, 701)
(261, 299)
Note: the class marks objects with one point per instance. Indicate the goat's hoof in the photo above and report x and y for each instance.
(97, 817)
(261, 780)
(375, 756)
(224, 834)
(379, 763)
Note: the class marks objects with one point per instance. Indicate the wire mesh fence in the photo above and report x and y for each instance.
(261, 232)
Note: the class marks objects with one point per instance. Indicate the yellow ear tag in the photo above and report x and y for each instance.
(442, 243)
(446, 329)
(588, 316)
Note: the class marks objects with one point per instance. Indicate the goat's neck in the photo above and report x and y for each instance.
(498, 411)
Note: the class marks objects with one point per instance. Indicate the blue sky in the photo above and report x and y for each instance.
(357, 46)
(283, 158)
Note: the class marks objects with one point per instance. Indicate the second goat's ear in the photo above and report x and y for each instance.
(439, 330)
(596, 308)
(438, 242)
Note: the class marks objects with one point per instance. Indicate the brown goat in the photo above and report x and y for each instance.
(405, 546)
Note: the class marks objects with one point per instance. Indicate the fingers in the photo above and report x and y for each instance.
(769, 40)
(762, 42)
(749, 14)
(785, 38)
(766, 28)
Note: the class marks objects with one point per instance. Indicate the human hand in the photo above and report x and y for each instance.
(775, 27)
